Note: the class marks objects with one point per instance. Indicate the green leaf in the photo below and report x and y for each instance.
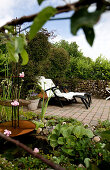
(40, 20)
(89, 34)
(19, 44)
(79, 131)
(53, 137)
(16, 56)
(67, 151)
(70, 141)
(89, 133)
(60, 140)
(53, 143)
(24, 56)
(87, 162)
(12, 55)
(64, 132)
(40, 1)
(83, 18)
(105, 135)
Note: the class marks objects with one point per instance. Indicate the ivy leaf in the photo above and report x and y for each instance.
(40, 1)
(40, 20)
(24, 56)
(89, 34)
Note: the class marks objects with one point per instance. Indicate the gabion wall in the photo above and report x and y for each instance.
(96, 87)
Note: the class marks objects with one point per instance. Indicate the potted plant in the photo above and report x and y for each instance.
(34, 100)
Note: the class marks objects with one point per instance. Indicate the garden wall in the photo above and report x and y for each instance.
(96, 87)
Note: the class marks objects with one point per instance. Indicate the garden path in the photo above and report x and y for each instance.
(99, 110)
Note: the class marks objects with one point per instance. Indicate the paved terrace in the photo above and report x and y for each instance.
(99, 110)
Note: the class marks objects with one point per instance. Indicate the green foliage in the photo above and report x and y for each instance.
(5, 164)
(103, 124)
(29, 163)
(15, 47)
(40, 1)
(71, 48)
(85, 20)
(39, 124)
(81, 68)
(5, 113)
(40, 20)
(103, 130)
(44, 107)
(59, 60)
(38, 50)
(67, 135)
(73, 146)
(101, 69)
(72, 141)
(89, 33)
(39, 47)
(105, 135)
(26, 115)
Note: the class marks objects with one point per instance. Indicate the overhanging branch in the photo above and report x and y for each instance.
(60, 9)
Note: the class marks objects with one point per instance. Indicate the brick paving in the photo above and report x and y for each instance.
(99, 110)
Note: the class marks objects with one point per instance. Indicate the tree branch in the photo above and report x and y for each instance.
(60, 9)
(29, 150)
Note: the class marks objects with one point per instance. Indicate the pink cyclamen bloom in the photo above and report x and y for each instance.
(36, 150)
(21, 74)
(15, 103)
(7, 132)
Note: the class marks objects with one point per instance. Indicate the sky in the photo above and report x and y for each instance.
(10, 9)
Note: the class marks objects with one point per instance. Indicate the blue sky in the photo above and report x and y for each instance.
(10, 9)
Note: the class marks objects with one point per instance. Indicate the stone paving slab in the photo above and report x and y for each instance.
(99, 110)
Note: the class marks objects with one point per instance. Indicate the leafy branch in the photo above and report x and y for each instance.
(81, 18)
(60, 9)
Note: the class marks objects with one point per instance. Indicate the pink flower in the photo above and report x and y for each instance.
(21, 74)
(7, 132)
(15, 103)
(36, 150)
